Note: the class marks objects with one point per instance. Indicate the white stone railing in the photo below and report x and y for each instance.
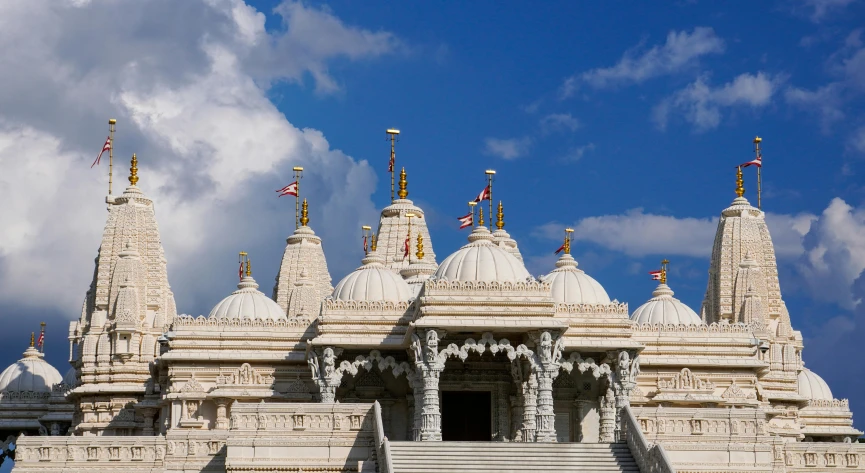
(711, 328)
(202, 321)
(89, 453)
(382, 445)
(822, 456)
(616, 308)
(650, 458)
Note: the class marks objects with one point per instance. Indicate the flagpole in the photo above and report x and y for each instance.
(664, 264)
(490, 173)
(757, 141)
(111, 126)
(392, 135)
(298, 174)
(472, 205)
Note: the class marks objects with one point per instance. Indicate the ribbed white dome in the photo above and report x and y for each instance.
(372, 282)
(663, 308)
(573, 286)
(30, 373)
(70, 378)
(482, 260)
(812, 386)
(247, 302)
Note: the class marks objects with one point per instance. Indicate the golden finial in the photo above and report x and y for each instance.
(373, 244)
(248, 267)
(500, 217)
(481, 217)
(567, 245)
(664, 264)
(740, 189)
(133, 171)
(304, 214)
(403, 193)
(419, 253)
(32, 339)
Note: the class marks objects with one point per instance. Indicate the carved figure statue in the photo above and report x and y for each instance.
(55, 429)
(546, 347)
(416, 347)
(312, 361)
(328, 359)
(559, 349)
(432, 346)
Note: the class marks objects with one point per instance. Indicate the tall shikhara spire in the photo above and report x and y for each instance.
(393, 230)
(128, 306)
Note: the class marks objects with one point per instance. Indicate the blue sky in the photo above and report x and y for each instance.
(622, 120)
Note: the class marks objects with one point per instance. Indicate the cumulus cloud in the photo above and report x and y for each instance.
(510, 148)
(575, 154)
(834, 255)
(636, 233)
(857, 140)
(187, 83)
(826, 101)
(701, 104)
(560, 122)
(680, 51)
(818, 10)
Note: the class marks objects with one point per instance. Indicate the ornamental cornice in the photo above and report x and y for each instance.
(541, 288)
(293, 322)
(615, 308)
(714, 327)
(366, 306)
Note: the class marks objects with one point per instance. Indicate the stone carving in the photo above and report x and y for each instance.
(736, 392)
(246, 375)
(686, 381)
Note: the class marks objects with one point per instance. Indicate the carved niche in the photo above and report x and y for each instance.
(246, 375)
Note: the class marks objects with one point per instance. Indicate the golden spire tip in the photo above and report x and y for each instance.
(500, 217)
(664, 264)
(133, 170)
(740, 189)
(32, 339)
(373, 244)
(403, 184)
(481, 217)
(419, 253)
(304, 214)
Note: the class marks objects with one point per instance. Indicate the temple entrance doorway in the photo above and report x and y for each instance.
(466, 416)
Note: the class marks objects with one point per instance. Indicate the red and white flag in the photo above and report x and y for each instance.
(561, 249)
(41, 340)
(391, 163)
(240, 272)
(365, 246)
(406, 247)
(484, 195)
(758, 161)
(290, 189)
(105, 147)
(466, 220)
(656, 275)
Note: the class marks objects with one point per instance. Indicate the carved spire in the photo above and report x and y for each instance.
(403, 184)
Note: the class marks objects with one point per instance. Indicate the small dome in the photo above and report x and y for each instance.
(573, 286)
(482, 260)
(663, 308)
(812, 386)
(30, 374)
(247, 302)
(372, 282)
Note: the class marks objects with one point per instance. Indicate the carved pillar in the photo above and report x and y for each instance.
(608, 417)
(623, 381)
(147, 416)
(502, 406)
(221, 413)
(546, 415)
(431, 417)
(530, 408)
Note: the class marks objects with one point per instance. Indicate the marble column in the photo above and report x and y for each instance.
(530, 409)
(502, 407)
(221, 413)
(431, 417)
(546, 415)
(608, 417)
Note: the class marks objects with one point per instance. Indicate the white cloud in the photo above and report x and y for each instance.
(510, 148)
(681, 51)
(575, 154)
(187, 82)
(817, 10)
(636, 233)
(701, 104)
(826, 101)
(857, 140)
(560, 122)
(835, 254)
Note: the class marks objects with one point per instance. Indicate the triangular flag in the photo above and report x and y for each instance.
(105, 147)
(290, 189)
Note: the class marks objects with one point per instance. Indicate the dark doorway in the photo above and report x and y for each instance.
(466, 416)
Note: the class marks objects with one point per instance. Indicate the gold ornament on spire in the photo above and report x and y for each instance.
(133, 170)
(481, 216)
(664, 264)
(740, 189)
(403, 192)
(32, 339)
(373, 244)
(567, 244)
(419, 253)
(500, 217)
(304, 214)
(248, 267)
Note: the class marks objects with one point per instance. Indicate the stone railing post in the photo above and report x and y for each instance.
(607, 417)
(623, 380)
(222, 413)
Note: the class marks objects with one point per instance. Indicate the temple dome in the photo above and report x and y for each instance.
(247, 302)
(482, 260)
(573, 286)
(30, 374)
(70, 378)
(812, 386)
(663, 308)
(372, 282)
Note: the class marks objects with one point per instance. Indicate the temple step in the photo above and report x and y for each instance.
(500, 457)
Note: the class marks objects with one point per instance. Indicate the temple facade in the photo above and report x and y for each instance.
(411, 364)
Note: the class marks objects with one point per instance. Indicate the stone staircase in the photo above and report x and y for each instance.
(499, 457)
